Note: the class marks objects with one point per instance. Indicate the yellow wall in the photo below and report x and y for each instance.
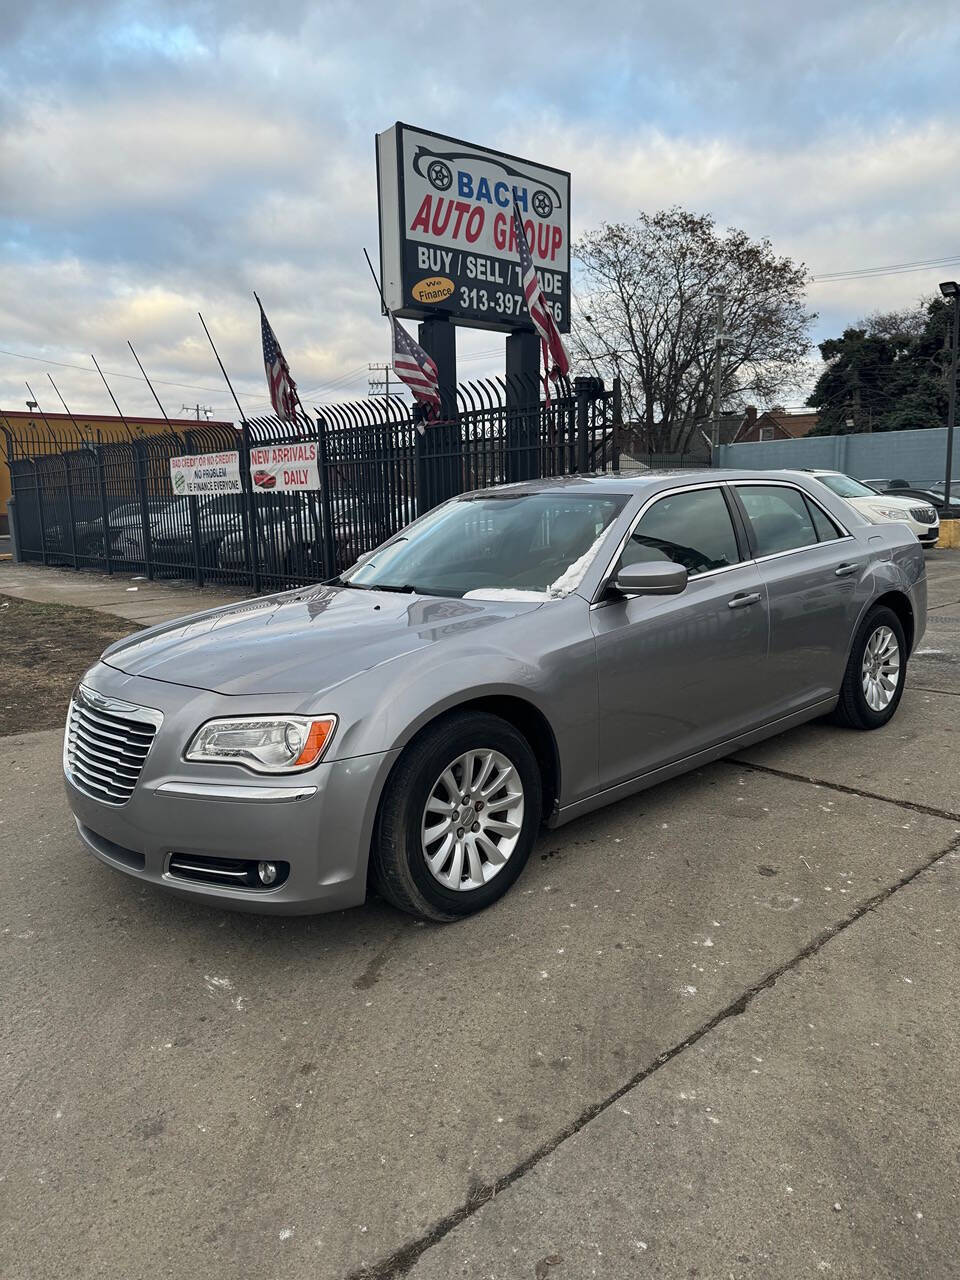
(36, 433)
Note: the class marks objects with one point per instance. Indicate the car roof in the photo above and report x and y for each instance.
(610, 483)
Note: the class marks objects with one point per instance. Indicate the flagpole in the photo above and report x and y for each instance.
(112, 396)
(66, 409)
(226, 377)
(150, 385)
(377, 283)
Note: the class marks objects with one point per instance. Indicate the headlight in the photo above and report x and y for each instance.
(890, 513)
(266, 744)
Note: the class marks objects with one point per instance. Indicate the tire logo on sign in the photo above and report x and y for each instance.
(439, 175)
(542, 204)
(433, 289)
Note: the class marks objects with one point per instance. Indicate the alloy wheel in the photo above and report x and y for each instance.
(880, 670)
(472, 819)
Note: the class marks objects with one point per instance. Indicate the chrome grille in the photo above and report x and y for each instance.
(106, 743)
(924, 515)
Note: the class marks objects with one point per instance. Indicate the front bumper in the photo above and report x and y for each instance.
(320, 821)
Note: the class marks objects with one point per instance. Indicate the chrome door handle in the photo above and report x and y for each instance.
(742, 601)
(845, 570)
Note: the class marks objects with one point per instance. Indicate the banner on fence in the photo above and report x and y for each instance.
(203, 474)
(285, 468)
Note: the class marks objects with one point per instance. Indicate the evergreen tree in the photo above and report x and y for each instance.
(887, 373)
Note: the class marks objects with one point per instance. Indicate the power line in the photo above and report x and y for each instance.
(62, 364)
(897, 268)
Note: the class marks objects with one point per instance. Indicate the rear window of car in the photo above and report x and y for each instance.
(780, 518)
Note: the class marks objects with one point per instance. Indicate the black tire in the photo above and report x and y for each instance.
(853, 710)
(398, 866)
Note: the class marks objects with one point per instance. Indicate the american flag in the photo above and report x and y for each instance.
(416, 369)
(283, 389)
(540, 313)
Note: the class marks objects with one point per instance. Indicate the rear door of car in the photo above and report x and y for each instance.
(678, 674)
(816, 575)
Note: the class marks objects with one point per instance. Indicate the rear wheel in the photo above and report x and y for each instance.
(873, 681)
(458, 818)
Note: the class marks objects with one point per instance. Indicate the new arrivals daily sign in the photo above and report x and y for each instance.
(447, 240)
(285, 468)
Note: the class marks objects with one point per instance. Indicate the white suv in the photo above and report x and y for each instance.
(920, 516)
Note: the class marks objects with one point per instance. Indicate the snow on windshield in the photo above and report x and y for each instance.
(568, 581)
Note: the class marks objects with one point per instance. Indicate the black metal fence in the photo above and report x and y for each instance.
(110, 505)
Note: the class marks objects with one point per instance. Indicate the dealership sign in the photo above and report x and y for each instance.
(285, 468)
(202, 474)
(447, 239)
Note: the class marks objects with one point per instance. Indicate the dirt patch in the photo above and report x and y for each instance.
(45, 649)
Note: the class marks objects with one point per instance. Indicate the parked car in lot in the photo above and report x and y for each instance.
(289, 541)
(919, 516)
(519, 654)
(934, 494)
(125, 529)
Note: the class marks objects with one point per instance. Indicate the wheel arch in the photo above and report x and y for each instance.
(899, 602)
(517, 711)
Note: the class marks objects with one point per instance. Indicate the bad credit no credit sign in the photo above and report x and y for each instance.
(202, 474)
(285, 468)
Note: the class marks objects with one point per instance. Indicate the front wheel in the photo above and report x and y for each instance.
(458, 818)
(876, 669)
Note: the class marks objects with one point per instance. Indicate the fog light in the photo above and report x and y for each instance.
(267, 871)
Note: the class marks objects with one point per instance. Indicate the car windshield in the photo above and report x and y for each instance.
(507, 545)
(845, 486)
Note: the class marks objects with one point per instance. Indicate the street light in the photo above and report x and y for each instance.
(950, 289)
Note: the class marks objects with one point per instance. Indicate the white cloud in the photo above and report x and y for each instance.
(157, 160)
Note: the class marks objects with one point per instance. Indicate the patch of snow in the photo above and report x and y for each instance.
(505, 593)
(572, 576)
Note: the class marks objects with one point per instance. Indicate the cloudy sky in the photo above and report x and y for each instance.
(159, 159)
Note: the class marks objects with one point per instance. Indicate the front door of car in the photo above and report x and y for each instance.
(814, 576)
(680, 673)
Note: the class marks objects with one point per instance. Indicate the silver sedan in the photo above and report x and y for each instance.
(516, 656)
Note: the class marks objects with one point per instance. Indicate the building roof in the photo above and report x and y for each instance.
(794, 424)
(135, 419)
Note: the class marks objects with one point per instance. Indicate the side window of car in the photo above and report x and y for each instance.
(826, 529)
(693, 529)
(779, 516)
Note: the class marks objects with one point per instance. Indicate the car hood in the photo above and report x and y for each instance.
(301, 642)
(881, 500)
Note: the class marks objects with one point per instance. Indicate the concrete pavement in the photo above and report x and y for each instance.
(196, 1093)
(134, 598)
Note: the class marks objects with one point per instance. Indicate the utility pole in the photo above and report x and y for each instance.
(949, 289)
(374, 384)
(199, 409)
(717, 373)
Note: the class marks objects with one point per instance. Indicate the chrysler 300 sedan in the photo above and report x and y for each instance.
(519, 655)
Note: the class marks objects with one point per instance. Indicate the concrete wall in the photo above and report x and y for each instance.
(917, 456)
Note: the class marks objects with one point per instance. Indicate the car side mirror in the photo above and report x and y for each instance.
(659, 578)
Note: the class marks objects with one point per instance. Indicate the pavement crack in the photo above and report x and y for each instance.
(402, 1260)
(950, 693)
(928, 809)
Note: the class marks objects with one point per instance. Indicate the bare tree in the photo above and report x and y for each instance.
(648, 307)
